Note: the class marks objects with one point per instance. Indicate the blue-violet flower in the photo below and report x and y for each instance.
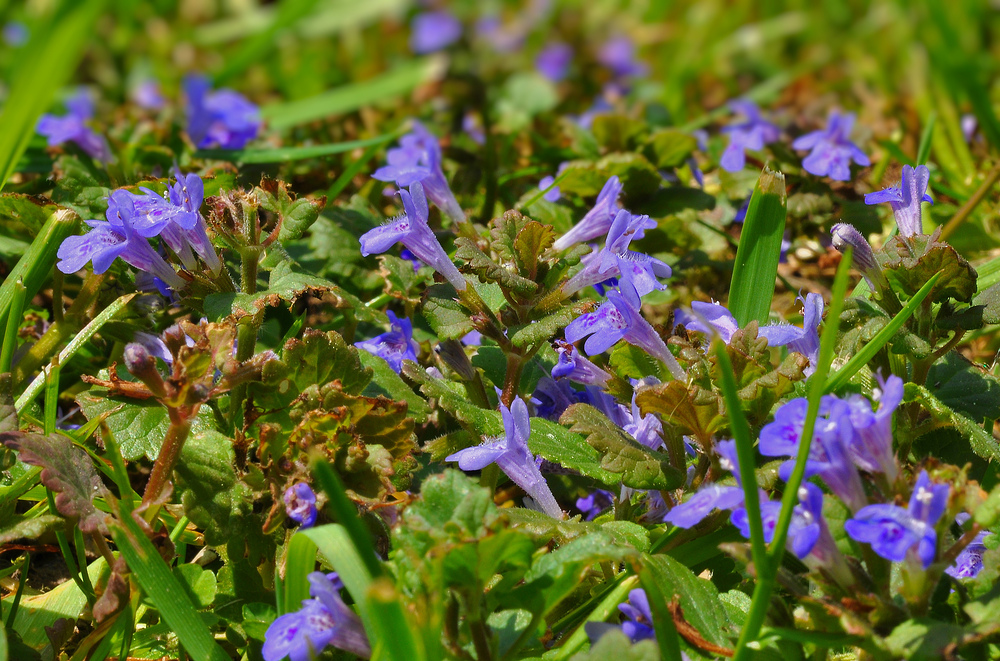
(395, 345)
(831, 149)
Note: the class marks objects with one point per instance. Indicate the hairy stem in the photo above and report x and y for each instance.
(170, 452)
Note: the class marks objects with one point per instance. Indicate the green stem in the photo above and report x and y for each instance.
(12, 613)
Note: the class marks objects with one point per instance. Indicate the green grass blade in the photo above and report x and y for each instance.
(392, 634)
(924, 151)
(334, 544)
(289, 154)
(300, 560)
(346, 514)
(34, 267)
(745, 453)
(663, 622)
(759, 251)
(868, 351)
(80, 339)
(256, 47)
(45, 64)
(14, 319)
(608, 605)
(341, 182)
(164, 590)
(348, 98)
(766, 574)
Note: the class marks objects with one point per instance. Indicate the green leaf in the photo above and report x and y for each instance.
(391, 631)
(922, 639)
(315, 360)
(43, 66)
(67, 470)
(697, 597)
(640, 467)
(199, 584)
(476, 261)
(295, 216)
(388, 383)
(165, 591)
(545, 328)
(300, 561)
(24, 214)
(760, 248)
(350, 97)
(523, 96)
(447, 317)
(138, 425)
(981, 442)
(586, 178)
(16, 528)
(562, 446)
(914, 260)
(207, 486)
(964, 387)
(668, 148)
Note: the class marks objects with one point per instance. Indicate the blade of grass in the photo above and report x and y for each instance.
(80, 339)
(766, 574)
(745, 453)
(335, 545)
(341, 182)
(22, 581)
(345, 513)
(663, 621)
(256, 47)
(537, 196)
(33, 269)
(868, 351)
(288, 154)
(924, 151)
(607, 606)
(392, 636)
(348, 98)
(759, 250)
(164, 590)
(45, 64)
(300, 560)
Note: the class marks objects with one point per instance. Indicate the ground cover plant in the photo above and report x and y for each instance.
(499, 330)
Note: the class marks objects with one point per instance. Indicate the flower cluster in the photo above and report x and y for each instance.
(133, 219)
(750, 135)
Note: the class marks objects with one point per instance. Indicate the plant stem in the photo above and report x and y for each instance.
(170, 452)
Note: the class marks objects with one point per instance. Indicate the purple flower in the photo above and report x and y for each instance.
(969, 562)
(573, 366)
(553, 195)
(510, 452)
(697, 507)
(323, 620)
(751, 135)
(300, 504)
(803, 340)
(473, 127)
(591, 506)
(617, 319)
(871, 444)
(434, 30)
(638, 624)
(828, 453)
(110, 240)
(554, 60)
(222, 118)
(395, 345)
(618, 55)
(15, 33)
(863, 257)
(412, 230)
(551, 398)
(598, 220)
(72, 127)
(177, 221)
(418, 158)
(615, 260)
(831, 149)
(708, 318)
(905, 199)
(805, 528)
(893, 531)
(147, 95)
(969, 124)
